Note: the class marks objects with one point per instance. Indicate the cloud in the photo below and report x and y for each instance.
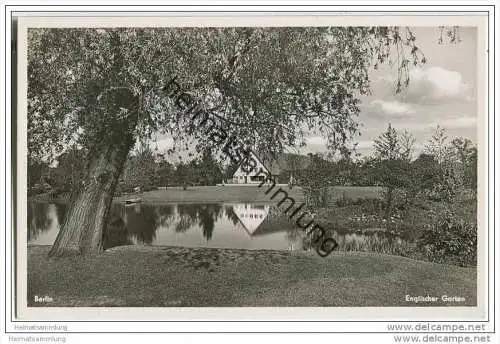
(365, 144)
(449, 123)
(435, 84)
(459, 122)
(393, 107)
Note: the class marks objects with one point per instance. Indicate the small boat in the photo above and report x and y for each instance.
(133, 201)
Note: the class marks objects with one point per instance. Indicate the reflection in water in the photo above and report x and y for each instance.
(116, 234)
(229, 225)
(187, 217)
(251, 216)
(231, 215)
(141, 223)
(251, 226)
(40, 218)
(208, 215)
(61, 210)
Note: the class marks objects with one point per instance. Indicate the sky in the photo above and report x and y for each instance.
(441, 92)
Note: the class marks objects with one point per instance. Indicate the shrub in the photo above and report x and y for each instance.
(122, 189)
(450, 240)
(35, 190)
(58, 191)
(369, 205)
(343, 201)
(315, 196)
(149, 188)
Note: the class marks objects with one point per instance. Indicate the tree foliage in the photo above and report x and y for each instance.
(268, 85)
(393, 152)
(68, 174)
(456, 165)
(316, 180)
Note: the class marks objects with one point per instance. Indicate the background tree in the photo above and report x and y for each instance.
(457, 165)
(140, 168)
(68, 173)
(364, 172)
(465, 154)
(36, 171)
(293, 166)
(209, 169)
(105, 88)
(347, 166)
(425, 172)
(393, 152)
(229, 170)
(316, 180)
(183, 174)
(165, 171)
(437, 146)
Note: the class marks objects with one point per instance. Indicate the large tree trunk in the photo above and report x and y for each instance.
(86, 219)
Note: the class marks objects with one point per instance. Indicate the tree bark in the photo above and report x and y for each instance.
(86, 219)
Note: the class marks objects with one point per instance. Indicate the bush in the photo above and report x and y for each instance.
(35, 190)
(39, 189)
(450, 240)
(316, 196)
(344, 201)
(149, 188)
(122, 189)
(370, 205)
(60, 190)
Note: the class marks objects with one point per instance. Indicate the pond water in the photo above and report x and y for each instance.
(229, 225)
(240, 225)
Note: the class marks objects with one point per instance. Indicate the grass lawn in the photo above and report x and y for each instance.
(168, 276)
(217, 194)
(248, 193)
(214, 194)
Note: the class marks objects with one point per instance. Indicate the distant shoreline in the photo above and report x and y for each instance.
(222, 194)
(195, 194)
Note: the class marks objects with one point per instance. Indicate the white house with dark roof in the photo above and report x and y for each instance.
(286, 165)
(256, 176)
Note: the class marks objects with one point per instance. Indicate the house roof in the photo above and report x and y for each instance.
(283, 162)
(287, 162)
(259, 160)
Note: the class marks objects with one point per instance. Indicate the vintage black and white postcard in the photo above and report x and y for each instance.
(258, 166)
